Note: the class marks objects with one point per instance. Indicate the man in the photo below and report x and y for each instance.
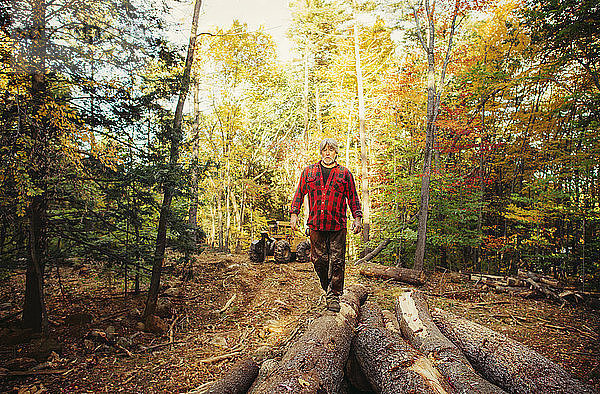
(330, 188)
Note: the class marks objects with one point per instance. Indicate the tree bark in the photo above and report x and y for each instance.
(505, 362)
(238, 379)
(405, 275)
(161, 236)
(419, 329)
(315, 363)
(390, 364)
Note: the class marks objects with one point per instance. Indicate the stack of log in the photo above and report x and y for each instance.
(528, 284)
(414, 350)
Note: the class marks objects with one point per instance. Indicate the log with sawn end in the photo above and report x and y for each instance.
(505, 362)
(406, 275)
(390, 364)
(419, 329)
(315, 363)
(237, 380)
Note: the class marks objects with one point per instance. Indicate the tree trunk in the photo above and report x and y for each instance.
(228, 200)
(433, 105)
(193, 210)
(318, 106)
(390, 364)
(405, 275)
(421, 332)
(220, 214)
(505, 362)
(34, 308)
(305, 98)
(315, 363)
(429, 136)
(366, 204)
(238, 379)
(161, 236)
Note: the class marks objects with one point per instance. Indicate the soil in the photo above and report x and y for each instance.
(232, 308)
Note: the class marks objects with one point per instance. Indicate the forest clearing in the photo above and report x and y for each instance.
(339, 196)
(204, 334)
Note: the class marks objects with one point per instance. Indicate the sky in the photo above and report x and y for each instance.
(273, 15)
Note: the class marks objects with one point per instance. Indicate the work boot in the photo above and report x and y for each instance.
(333, 304)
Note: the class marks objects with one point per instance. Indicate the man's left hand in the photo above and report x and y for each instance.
(357, 225)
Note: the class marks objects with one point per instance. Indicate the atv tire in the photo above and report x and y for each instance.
(282, 252)
(303, 252)
(256, 252)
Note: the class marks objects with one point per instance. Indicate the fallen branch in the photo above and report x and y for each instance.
(375, 252)
(407, 275)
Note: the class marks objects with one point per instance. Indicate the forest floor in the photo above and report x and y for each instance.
(209, 329)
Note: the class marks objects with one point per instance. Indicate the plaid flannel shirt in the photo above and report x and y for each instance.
(327, 203)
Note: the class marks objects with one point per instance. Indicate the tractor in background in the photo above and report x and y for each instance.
(280, 242)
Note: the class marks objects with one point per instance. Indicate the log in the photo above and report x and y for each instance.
(515, 282)
(546, 291)
(237, 380)
(374, 252)
(505, 362)
(512, 290)
(315, 363)
(390, 364)
(419, 329)
(540, 278)
(407, 275)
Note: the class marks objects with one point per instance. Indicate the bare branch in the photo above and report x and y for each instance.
(418, 26)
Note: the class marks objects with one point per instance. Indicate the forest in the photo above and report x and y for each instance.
(130, 158)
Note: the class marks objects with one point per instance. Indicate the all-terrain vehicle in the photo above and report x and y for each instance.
(280, 242)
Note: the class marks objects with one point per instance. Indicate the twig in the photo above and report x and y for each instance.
(154, 347)
(171, 328)
(123, 348)
(228, 303)
(561, 328)
(36, 372)
(111, 316)
(219, 358)
(492, 303)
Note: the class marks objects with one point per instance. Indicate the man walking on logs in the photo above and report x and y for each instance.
(330, 188)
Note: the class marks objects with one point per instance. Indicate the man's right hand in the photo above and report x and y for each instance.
(294, 221)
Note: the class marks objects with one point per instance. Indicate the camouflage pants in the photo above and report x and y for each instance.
(328, 253)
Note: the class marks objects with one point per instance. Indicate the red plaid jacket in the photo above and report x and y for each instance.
(327, 203)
